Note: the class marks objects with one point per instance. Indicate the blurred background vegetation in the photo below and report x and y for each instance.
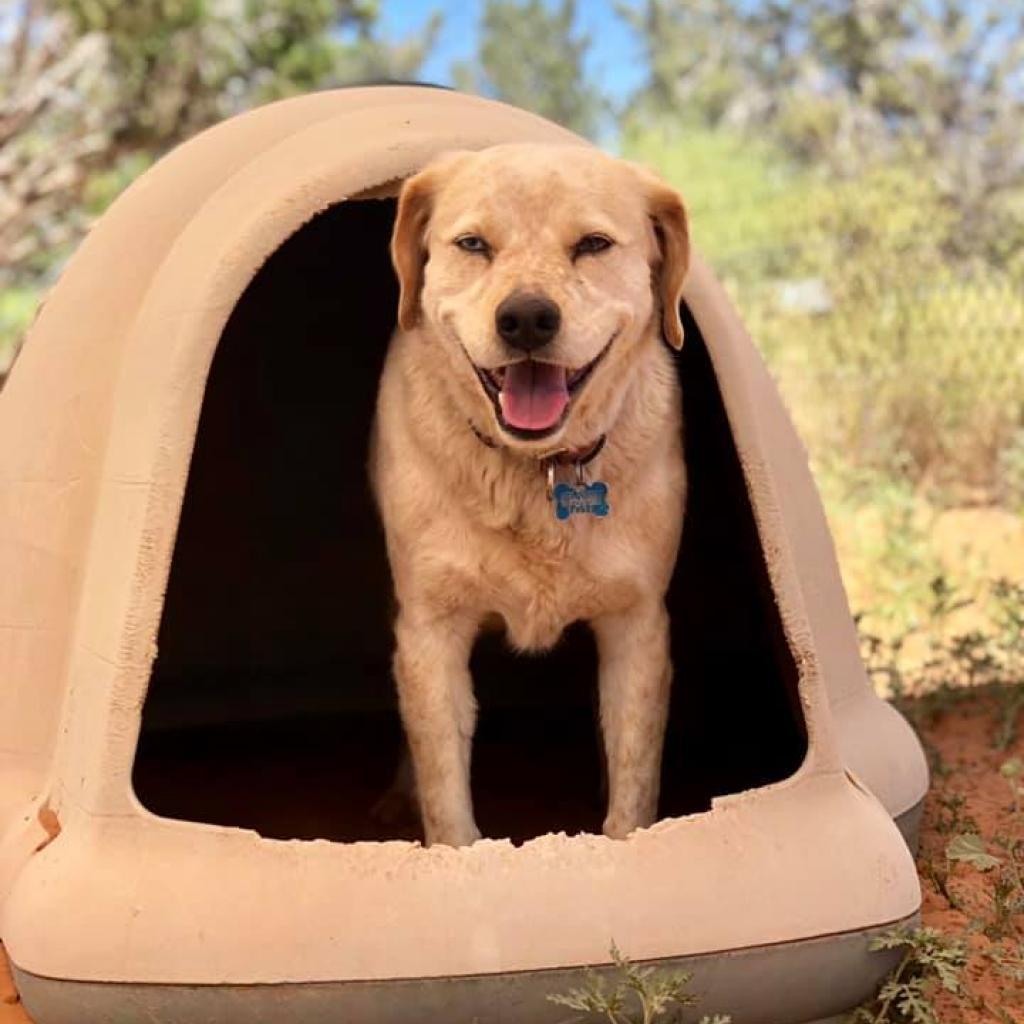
(854, 169)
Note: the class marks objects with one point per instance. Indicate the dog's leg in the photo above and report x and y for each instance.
(634, 682)
(435, 694)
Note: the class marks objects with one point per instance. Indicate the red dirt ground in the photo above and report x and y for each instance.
(969, 769)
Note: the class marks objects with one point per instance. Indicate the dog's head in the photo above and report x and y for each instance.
(540, 270)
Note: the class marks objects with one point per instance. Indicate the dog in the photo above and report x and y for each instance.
(539, 285)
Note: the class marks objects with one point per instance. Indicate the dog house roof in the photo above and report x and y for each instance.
(98, 420)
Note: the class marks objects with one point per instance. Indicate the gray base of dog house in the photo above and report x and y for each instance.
(814, 981)
(909, 824)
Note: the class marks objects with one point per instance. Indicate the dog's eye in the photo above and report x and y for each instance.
(589, 244)
(473, 243)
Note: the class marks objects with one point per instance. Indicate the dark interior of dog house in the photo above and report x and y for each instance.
(271, 704)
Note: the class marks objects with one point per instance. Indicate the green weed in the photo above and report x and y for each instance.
(930, 961)
(1009, 960)
(950, 817)
(634, 995)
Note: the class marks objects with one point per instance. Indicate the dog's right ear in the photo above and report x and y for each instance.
(409, 237)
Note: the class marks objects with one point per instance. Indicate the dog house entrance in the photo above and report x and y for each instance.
(271, 704)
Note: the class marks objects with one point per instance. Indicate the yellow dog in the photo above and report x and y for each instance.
(527, 452)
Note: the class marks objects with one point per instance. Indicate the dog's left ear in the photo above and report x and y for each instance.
(672, 233)
(409, 237)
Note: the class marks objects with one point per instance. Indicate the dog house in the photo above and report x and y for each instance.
(196, 712)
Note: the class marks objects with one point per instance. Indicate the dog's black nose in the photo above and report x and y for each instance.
(527, 320)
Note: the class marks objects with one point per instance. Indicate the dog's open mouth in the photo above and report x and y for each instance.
(532, 397)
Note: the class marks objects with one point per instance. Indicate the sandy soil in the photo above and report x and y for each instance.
(968, 793)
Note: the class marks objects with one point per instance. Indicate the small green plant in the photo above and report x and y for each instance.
(950, 817)
(930, 960)
(938, 874)
(635, 995)
(1009, 960)
(1012, 771)
(970, 848)
(1007, 903)
(1008, 890)
(1009, 701)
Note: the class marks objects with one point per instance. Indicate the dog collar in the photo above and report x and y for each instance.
(582, 497)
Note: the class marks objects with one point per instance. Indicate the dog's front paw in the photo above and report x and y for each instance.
(464, 834)
(619, 826)
(616, 829)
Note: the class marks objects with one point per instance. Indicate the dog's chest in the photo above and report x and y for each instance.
(541, 588)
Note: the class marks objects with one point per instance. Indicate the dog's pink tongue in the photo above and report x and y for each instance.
(533, 395)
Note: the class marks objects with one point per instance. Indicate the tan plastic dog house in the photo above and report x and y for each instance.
(196, 712)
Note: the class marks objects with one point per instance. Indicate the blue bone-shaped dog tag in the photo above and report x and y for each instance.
(586, 499)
